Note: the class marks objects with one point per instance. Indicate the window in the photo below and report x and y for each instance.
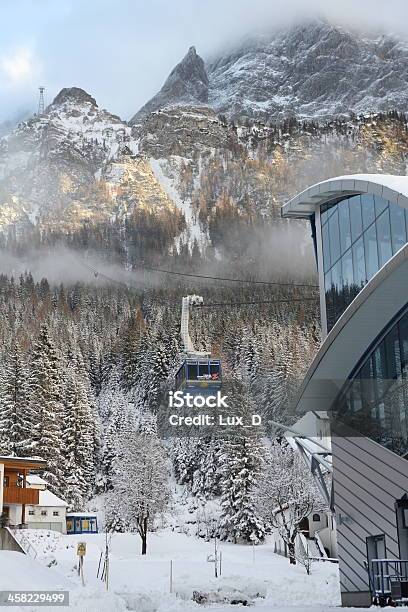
(203, 369)
(355, 217)
(405, 515)
(334, 237)
(31, 512)
(384, 238)
(367, 209)
(43, 513)
(375, 400)
(359, 235)
(55, 513)
(359, 270)
(326, 247)
(192, 371)
(344, 224)
(398, 229)
(316, 518)
(370, 251)
(215, 370)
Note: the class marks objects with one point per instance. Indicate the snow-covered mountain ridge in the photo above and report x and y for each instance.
(185, 172)
(71, 164)
(309, 70)
(78, 164)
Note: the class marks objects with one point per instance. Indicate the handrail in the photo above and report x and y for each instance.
(382, 572)
(320, 546)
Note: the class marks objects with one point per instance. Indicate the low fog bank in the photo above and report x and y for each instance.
(63, 265)
(272, 253)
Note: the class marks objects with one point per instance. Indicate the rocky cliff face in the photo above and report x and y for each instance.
(186, 84)
(71, 165)
(313, 70)
(187, 131)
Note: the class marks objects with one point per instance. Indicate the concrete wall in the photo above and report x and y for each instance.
(15, 514)
(368, 479)
(7, 542)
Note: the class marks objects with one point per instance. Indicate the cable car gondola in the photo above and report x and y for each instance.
(199, 376)
(199, 372)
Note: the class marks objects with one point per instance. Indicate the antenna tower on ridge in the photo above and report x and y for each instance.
(41, 100)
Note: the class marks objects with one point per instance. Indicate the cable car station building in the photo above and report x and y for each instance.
(360, 374)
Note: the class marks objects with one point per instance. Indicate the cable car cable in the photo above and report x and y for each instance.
(226, 279)
(283, 300)
(216, 278)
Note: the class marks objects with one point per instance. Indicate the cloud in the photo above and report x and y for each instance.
(19, 67)
(122, 51)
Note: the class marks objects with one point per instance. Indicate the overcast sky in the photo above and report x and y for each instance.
(121, 51)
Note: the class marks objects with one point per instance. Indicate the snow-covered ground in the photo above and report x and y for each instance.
(21, 573)
(143, 583)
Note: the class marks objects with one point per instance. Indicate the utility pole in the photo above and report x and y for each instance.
(41, 104)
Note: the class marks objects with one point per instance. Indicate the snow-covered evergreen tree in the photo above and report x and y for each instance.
(78, 440)
(207, 475)
(241, 461)
(44, 391)
(115, 405)
(16, 419)
(158, 371)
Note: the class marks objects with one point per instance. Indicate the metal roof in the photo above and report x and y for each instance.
(391, 187)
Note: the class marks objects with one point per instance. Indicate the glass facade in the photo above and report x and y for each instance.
(359, 235)
(375, 400)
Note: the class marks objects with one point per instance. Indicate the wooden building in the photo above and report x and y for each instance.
(14, 489)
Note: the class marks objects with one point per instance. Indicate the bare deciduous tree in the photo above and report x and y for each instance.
(140, 485)
(286, 494)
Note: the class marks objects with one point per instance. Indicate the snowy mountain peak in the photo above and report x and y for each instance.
(186, 84)
(314, 69)
(73, 95)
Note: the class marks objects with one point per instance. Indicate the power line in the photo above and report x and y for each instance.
(216, 278)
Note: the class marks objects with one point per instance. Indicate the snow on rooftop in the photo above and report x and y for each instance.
(392, 181)
(49, 499)
(17, 458)
(83, 514)
(35, 479)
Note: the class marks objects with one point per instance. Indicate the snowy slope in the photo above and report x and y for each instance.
(17, 571)
(167, 173)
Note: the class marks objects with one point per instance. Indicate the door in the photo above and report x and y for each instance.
(376, 550)
(401, 508)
